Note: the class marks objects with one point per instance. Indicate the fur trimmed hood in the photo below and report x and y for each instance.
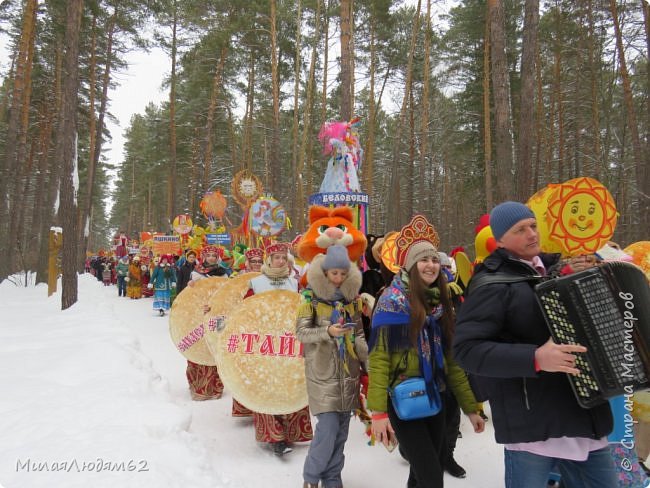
(324, 289)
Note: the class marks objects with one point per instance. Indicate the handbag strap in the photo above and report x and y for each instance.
(397, 371)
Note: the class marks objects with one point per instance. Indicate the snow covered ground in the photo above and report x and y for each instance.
(96, 396)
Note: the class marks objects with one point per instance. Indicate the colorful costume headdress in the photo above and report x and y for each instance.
(255, 252)
(415, 238)
(277, 247)
(211, 249)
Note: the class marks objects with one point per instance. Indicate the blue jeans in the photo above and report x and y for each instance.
(325, 458)
(121, 286)
(524, 469)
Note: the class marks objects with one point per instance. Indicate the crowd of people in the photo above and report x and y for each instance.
(366, 330)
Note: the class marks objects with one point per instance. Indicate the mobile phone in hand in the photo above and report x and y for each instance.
(392, 443)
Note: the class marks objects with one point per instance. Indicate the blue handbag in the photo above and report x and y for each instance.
(411, 402)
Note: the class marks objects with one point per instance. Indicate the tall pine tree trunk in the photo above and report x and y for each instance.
(501, 94)
(99, 138)
(216, 86)
(646, 182)
(22, 238)
(346, 59)
(540, 138)
(369, 154)
(487, 119)
(196, 150)
(66, 153)
(51, 189)
(595, 167)
(559, 99)
(641, 169)
(323, 103)
(527, 101)
(248, 121)
(40, 183)
(84, 218)
(424, 109)
(296, 97)
(11, 199)
(306, 131)
(173, 165)
(237, 160)
(274, 153)
(394, 217)
(411, 160)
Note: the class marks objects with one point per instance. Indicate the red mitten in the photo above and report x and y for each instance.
(566, 270)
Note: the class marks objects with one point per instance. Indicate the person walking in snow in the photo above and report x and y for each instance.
(203, 379)
(329, 326)
(163, 279)
(122, 271)
(279, 431)
(134, 279)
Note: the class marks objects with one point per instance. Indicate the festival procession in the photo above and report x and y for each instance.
(346, 244)
(546, 327)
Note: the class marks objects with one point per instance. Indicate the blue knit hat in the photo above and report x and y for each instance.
(507, 214)
(336, 257)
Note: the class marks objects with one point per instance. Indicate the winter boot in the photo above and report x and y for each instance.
(454, 469)
(281, 448)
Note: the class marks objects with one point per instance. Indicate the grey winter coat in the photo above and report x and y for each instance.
(332, 381)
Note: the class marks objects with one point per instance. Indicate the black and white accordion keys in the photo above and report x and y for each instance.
(607, 310)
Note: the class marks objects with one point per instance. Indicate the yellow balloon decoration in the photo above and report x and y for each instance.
(640, 252)
(583, 216)
(538, 203)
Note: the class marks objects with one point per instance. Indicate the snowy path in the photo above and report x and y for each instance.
(102, 383)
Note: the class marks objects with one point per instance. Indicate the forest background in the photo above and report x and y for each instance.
(493, 102)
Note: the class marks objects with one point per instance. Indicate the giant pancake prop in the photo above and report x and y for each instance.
(230, 296)
(188, 325)
(258, 356)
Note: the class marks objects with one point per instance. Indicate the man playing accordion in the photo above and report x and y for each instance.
(502, 338)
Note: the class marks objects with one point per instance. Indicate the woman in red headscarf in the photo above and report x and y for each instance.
(279, 431)
(204, 380)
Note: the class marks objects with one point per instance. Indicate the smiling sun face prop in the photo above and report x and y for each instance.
(583, 216)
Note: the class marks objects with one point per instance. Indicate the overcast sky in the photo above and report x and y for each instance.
(140, 84)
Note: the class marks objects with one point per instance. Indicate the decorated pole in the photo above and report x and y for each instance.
(340, 185)
(182, 225)
(266, 220)
(246, 188)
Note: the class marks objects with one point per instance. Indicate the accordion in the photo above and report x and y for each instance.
(607, 310)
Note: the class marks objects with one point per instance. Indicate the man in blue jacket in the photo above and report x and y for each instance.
(501, 337)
